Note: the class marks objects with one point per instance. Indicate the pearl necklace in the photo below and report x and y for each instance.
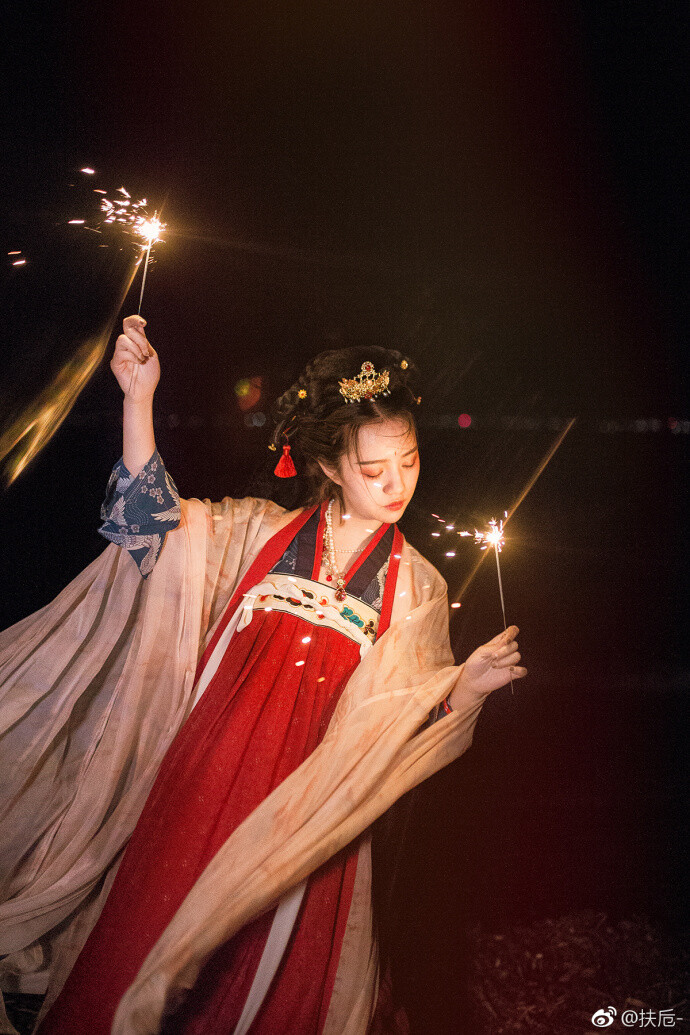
(329, 561)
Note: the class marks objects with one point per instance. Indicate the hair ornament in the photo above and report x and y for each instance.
(302, 394)
(404, 364)
(366, 385)
(285, 468)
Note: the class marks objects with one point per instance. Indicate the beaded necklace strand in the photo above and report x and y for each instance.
(329, 561)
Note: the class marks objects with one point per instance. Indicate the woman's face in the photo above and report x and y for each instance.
(378, 483)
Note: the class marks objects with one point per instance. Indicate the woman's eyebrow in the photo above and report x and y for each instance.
(363, 463)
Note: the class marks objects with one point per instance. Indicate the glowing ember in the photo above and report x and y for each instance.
(149, 229)
(494, 537)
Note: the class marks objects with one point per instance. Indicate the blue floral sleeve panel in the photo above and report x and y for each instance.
(139, 510)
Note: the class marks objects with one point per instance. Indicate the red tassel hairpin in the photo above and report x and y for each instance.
(285, 468)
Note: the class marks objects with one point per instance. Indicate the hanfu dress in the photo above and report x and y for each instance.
(266, 688)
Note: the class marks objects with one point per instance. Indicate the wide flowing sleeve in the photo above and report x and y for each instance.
(139, 510)
(93, 689)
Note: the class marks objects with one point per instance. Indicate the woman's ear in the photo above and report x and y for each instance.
(330, 472)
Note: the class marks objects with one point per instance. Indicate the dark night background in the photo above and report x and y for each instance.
(497, 189)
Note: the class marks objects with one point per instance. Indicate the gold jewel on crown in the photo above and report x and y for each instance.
(366, 385)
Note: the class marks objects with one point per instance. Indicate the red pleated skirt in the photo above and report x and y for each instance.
(264, 711)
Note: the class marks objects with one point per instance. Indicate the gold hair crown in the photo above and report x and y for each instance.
(366, 385)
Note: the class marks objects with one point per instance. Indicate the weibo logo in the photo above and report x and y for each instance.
(604, 1018)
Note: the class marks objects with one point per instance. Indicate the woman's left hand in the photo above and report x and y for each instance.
(489, 667)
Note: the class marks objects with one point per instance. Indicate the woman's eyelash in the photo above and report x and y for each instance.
(408, 466)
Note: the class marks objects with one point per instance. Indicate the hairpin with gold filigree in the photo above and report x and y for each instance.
(366, 385)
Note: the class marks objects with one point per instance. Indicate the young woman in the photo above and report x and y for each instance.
(231, 724)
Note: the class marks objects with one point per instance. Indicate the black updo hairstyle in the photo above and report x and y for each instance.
(321, 426)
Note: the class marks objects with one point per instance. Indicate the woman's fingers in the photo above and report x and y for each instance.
(504, 637)
(507, 660)
(507, 648)
(134, 330)
(126, 349)
(134, 324)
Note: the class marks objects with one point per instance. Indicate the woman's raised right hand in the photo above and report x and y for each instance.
(135, 361)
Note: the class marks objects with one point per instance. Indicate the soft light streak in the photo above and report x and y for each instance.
(35, 426)
(39, 422)
(530, 483)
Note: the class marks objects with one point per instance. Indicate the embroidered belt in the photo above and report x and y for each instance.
(315, 603)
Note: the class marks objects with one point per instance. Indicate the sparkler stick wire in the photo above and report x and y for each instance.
(153, 236)
(143, 279)
(503, 605)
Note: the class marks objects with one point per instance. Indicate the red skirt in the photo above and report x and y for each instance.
(264, 711)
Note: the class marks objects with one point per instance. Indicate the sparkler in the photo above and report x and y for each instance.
(150, 232)
(35, 426)
(133, 214)
(148, 229)
(494, 537)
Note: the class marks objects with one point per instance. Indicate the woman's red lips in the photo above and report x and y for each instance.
(395, 506)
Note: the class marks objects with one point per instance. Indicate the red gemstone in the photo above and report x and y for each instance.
(329, 578)
(340, 594)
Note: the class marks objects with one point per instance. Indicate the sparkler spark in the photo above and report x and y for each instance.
(494, 537)
(150, 229)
